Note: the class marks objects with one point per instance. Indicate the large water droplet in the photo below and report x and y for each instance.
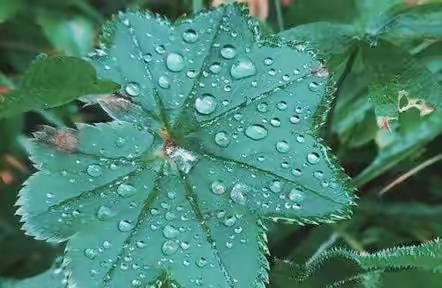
(218, 187)
(256, 132)
(222, 139)
(243, 68)
(94, 170)
(132, 89)
(175, 62)
(228, 52)
(169, 247)
(239, 192)
(126, 190)
(125, 226)
(190, 36)
(313, 158)
(170, 232)
(282, 147)
(205, 104)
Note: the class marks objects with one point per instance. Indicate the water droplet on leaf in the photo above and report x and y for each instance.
(175, 62)
(256, 132)
(205, 104)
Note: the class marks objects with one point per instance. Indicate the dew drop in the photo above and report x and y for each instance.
(268, 61)
(313, 86)
(295, 119)
(169, 247)
(205, 104)
(125, 226)
(94, 170)
(243, 68)
(228, 52)
(222, 139)
(132, 89)
(160, 49)
(282, 147)
(313, 158)
(281, 105)
(104, 213)
(164, 82)
(218, 187)
(262, 107)
(175, 62)
(190, 36)
(215, 68)
(170, 232)
(90, 253)
(295, 195)
(201, 262)
(147, 57)
(239, 192)
(230, 221)
(256, 132)
(276, 186)
(126, 190)
(275, 122)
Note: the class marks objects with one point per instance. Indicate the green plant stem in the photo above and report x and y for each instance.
(347, 70)
(279, 15)
(197, 5)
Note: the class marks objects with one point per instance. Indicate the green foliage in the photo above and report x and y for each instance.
(51, 82)
(8, 9)
(214, 116)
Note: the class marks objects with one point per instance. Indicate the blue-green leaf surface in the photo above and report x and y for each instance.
(215, 132)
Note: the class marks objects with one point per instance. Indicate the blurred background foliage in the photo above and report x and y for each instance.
(385, 125)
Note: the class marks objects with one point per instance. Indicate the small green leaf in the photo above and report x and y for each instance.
(72, 35)
(51, 82)
(427, 256)
(402, 146)
(218, 132)
(419, 22)
(328, 38)
(400, 83)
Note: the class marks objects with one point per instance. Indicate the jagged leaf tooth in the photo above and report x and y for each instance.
(219, 135)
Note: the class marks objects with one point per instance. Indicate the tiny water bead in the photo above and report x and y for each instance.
(126, 190)
(205, 104)
(169, 247)
(282, 147)
(218, 187)
(215, 68)
(190, 36)
(243, 68)
(160, 49)
(94, 170)
(256, 132)
(175, 62)
(239, 192)
(132, 89)
(104, 213)
(262, 107)
(222, 139)
(313, 86)
(230, 221)
(228, 52)
(275, 122)
(276, 186)
(90, 253)
(201, 262)
(125, 226)
(268, 61)
(164, 82)
(147, 57)
(313, 158)
(295, 119)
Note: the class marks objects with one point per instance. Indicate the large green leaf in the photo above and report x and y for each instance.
(53, 278)
(219, 133)
(72, 35)
(51, 82)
